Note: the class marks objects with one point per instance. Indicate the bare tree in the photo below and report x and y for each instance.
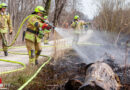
(47, 6)
(113, 18)
(59, 5)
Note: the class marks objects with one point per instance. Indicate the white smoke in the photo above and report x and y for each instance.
(93, 45)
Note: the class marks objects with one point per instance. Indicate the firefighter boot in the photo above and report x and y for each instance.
(36, 62)
(5, 53)
(32, 57)
(37, 55)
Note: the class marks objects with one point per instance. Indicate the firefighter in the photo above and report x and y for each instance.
(46, 31)
(34, 34)
(5, 25)
(77, 25)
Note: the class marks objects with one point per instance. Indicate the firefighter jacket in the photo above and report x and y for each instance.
(78, 26)
(34, 24)
(5, 22)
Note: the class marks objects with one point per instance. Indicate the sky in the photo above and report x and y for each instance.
(88, 7)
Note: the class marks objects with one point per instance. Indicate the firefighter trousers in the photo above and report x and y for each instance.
(4, 41)
(34, 50)
(75, 38)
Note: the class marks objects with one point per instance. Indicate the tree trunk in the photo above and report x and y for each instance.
(59, 5)
(47, 6)
(100, 76)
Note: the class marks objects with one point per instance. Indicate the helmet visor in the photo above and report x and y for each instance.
(4, 7)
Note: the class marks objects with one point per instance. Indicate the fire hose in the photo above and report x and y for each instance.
(24, 66)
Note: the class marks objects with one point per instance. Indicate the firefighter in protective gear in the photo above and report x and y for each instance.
(34, 34)
(77, 25)
(5, 25)
(46, 31)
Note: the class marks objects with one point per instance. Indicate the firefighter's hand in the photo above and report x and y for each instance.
(10, 32)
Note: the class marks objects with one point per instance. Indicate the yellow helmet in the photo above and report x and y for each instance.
(76, 17)
(3, 5)
(39, 9)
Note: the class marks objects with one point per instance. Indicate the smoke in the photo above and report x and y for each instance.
(93, 45)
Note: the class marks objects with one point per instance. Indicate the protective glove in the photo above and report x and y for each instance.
(44, 26)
